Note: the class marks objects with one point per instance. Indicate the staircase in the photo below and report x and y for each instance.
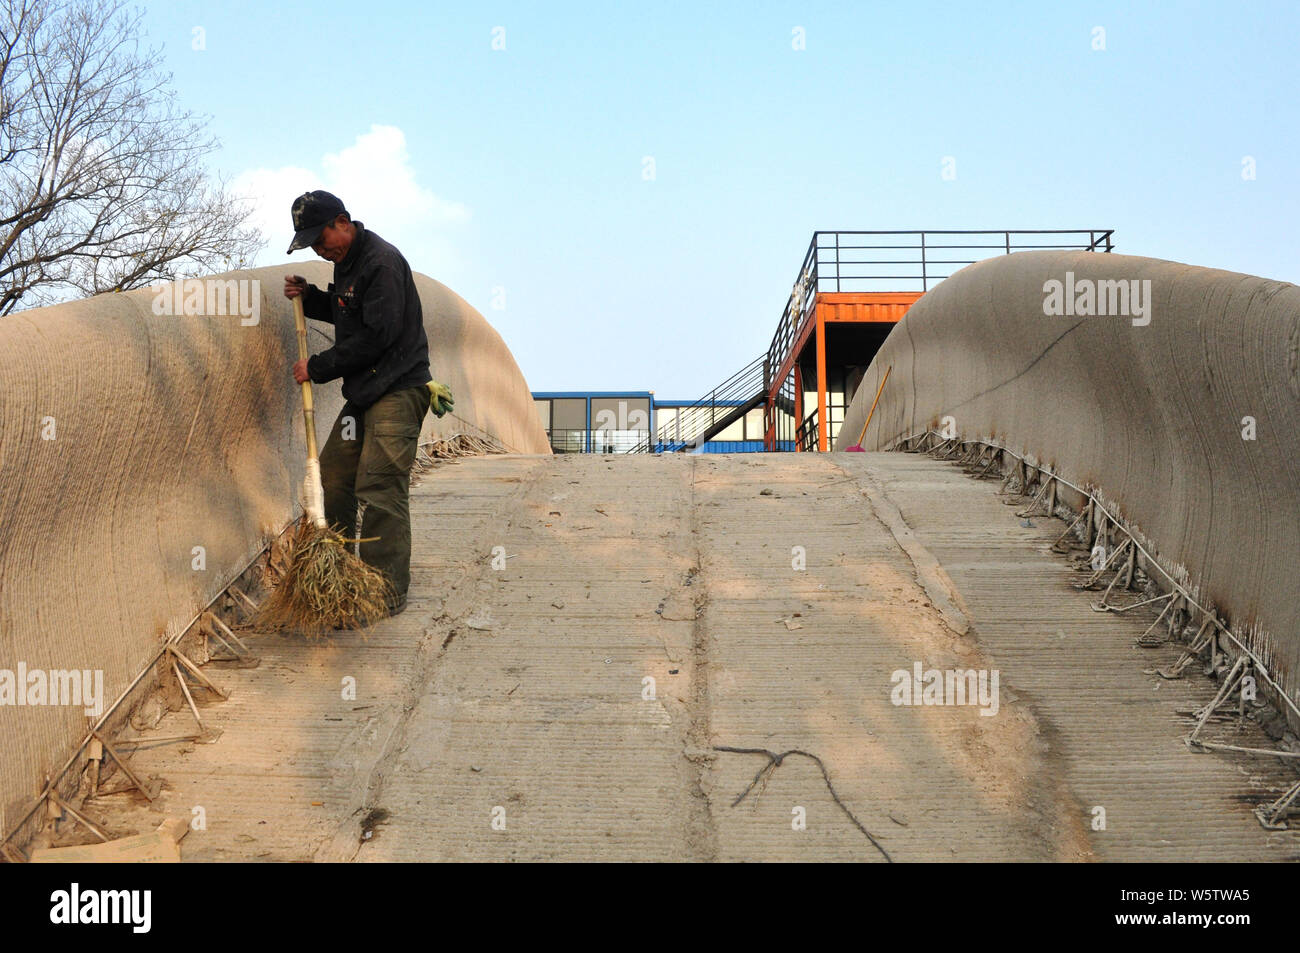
(697, 423)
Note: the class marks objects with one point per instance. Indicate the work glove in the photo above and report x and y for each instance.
(440, 399)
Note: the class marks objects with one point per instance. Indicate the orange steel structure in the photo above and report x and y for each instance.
(878, 310)
(838, 314)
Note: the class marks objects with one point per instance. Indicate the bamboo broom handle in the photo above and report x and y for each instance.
(880, 390)
(308, 412)
(313, 494)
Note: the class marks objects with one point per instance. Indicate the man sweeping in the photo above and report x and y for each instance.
(381, 352)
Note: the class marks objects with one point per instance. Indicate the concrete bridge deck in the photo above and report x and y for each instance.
(517, 698)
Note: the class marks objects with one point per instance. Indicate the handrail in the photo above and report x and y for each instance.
(830, 255)
(694, 419)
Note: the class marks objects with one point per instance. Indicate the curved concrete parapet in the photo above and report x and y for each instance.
(1149, 408)
(469, 356)
(146, 454)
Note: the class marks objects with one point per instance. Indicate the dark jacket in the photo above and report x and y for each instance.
(379, 340)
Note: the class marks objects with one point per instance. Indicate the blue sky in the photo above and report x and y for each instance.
(521, 169)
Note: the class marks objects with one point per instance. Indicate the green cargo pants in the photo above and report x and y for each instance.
(367, 459)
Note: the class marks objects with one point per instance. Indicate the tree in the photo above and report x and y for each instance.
(103, 185)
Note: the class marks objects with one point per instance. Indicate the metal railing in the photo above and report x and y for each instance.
(905, 261)
(855, 261)
(600, 441)
(806, 434)
(691, 423)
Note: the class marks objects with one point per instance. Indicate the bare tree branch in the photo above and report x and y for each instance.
(102, 179)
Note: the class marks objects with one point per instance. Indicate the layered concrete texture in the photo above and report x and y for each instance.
(1181, 410)
(146, 454)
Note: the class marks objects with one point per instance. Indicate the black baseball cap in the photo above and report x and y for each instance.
(312, 211)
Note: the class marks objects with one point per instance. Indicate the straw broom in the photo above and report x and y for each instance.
(319, 583)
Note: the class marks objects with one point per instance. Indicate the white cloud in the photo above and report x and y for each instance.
(376, 182)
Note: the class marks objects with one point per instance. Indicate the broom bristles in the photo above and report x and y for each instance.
(323, 585)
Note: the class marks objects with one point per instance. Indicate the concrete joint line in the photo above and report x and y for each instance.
(703, 835)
